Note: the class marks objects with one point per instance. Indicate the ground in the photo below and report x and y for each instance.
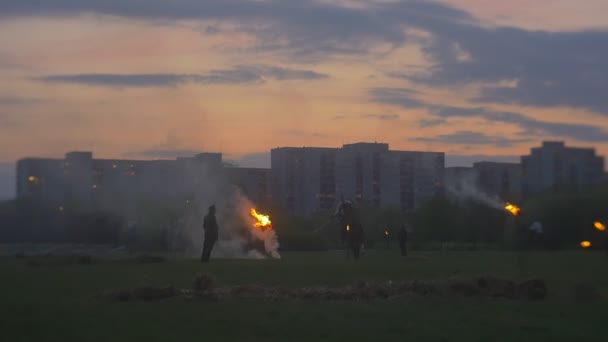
(60, 302)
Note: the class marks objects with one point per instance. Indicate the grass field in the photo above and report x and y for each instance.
(59, 303)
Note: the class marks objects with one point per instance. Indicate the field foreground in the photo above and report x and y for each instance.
(61, 302)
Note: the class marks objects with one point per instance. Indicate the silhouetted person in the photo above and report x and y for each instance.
(403, 240)
(211, 233)
(343, 213)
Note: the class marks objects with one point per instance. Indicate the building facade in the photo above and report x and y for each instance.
(502, 180)
(81, 183)
(307, 180)
(553, 166)
(303, 180)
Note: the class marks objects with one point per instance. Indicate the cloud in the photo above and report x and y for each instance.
(401, 97)
(548, 68)
(387, 117)
(163, 153)
(530, 126)
(302, 133)
(238, 75)
(383, 116)
(18, 101)
(432, 122)
(472, 138)
(302, 30)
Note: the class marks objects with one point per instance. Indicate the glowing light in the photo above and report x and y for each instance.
(585, 244)
(512, 208)
(32, 178)
(386, 232)
(60, 208)
(347, 228)
(114, 166)
(599, 226)
(94, 186)
(262, 221)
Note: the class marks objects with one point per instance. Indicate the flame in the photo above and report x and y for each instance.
(599, 226)
(512, 208)
(585, 244)
(263, 221)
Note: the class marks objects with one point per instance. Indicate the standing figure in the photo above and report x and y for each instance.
(211, 233)
(403, 240)
(343, 214)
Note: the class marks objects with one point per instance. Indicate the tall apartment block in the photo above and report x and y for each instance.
(80, 182)
(307, 180)
(554, 166)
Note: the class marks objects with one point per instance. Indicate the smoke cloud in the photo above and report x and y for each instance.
(238, 237)
(465, 188)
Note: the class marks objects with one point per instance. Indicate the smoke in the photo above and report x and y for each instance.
(238, 238)
(465, 188)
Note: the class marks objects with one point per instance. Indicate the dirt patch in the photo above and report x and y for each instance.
(585, 292)
(149, 259)
(58, 260)
(203, 283)
(205, 286)
(145, 293)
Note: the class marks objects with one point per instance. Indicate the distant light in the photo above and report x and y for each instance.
(114, 166)
(94, 186)
(599, 226)
(31, 178)
(585, 244)
(60, 208)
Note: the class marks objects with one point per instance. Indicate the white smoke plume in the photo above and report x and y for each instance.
(465, 188)
(237, 233)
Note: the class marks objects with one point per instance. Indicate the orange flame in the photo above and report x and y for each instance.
(585, 244)
(599, 226)
(512, 208)
(263, 222)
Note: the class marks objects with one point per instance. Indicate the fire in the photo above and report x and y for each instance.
(599, 226)
(585, 244)
(263, 221)
(512, 208)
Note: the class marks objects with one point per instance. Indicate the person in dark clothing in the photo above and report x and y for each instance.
(344, 214)
(211, 233)
(403, 240)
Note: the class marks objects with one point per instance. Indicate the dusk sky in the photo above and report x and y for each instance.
(155, 78)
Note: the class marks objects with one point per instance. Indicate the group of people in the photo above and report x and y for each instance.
(352, 233)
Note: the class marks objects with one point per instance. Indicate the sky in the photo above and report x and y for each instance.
(477, 79)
